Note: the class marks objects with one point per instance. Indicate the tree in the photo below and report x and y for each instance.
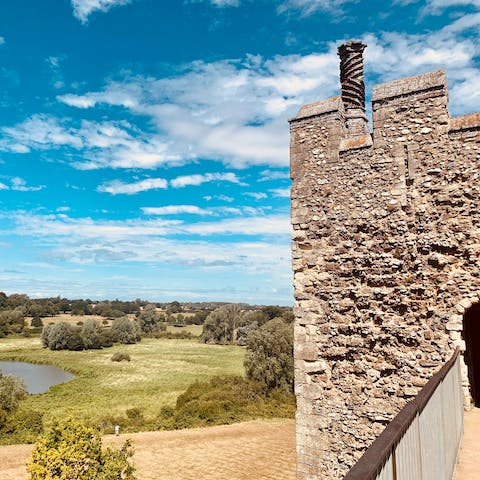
(92, 334)
(269, 357)
(12, 390)
(174, 307)
(221, 325)
(57, 336)
(149, 319)
(12, 321)
(125, 330)
(71, 451)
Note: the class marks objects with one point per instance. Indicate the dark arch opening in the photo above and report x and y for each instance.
(471, 335)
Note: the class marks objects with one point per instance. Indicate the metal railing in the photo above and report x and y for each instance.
(422, 441)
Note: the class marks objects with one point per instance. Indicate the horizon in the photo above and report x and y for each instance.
(144, 145)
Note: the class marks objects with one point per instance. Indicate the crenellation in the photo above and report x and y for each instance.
(385, 250)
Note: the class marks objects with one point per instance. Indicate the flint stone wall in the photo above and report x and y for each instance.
(386, 250)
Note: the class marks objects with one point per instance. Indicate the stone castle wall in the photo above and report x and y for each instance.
(386, 251)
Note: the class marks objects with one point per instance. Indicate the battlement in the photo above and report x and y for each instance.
(435, 81)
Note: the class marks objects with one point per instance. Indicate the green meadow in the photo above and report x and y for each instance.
(105, 391)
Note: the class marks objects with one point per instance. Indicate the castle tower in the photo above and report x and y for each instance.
(386, 255)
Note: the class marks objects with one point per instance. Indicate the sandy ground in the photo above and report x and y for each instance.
(257, 450)
(468, 465)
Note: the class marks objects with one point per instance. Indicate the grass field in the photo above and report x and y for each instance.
(159, 371)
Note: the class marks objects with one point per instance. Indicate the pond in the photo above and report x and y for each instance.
(38, 378)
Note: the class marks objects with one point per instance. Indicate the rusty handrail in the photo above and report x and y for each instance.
(372, 461)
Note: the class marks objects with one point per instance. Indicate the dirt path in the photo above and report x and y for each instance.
(246, 451)
(469, 457)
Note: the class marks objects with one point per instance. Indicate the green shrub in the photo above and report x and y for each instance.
(134, 414)
(36, 322)
(71, 451)
(226, 400)
(92, 335)
(12, 391)
(57, 336)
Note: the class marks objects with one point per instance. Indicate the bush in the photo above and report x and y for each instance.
(226, 400)
(69, 450)
(57, 336)
(36, 322)
(12, 390)
(269, 357)
(125, 330)
(92, 335)
(120, 357)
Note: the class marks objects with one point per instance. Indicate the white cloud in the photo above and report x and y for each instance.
(268, 175)
(437, 6)
(20, 185)
(231, 110)
(116, 187)
(256, 195)
(2, 40)
(280, 192)
(262, 225)
(102, 144)
(82, 9)
(60, 225)
(223, 198)
(199, 179)
(175, 209)
(307, 7)
(225, 3)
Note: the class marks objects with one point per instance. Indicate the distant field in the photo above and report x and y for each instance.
(195, 330)
(70, 319)
(159, 371)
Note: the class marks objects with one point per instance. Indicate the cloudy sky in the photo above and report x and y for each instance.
(144, 143)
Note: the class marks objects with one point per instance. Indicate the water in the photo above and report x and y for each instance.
(38, 378)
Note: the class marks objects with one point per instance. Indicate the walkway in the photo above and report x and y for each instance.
(261, 450)
(468, 466)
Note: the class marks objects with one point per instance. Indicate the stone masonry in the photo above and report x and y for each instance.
(386, 251)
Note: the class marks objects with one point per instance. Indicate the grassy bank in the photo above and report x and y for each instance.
(103, 391)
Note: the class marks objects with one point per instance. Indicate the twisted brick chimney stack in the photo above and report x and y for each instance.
(353, 88)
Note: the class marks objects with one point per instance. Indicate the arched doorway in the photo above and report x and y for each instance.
(471, 335)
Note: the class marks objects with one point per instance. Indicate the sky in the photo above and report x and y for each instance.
(144, 144)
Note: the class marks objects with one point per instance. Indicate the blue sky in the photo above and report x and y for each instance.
(144, 143)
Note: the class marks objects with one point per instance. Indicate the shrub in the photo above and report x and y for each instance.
(57, 336)
(125, 330)
(12, 390)
(226, 400)
(75, 342)
(134, 414)
(69, 450)
(92, 335)
(269, 357)
(120, 356)
(36, 322)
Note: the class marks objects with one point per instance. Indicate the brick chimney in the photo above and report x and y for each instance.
(353, 88)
